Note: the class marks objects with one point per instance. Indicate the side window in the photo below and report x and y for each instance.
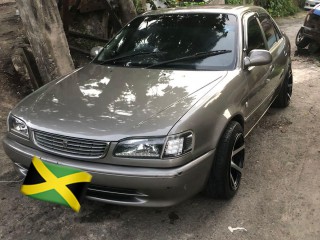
(255, 37)
(269, 30)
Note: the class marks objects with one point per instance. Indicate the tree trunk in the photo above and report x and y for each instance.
(144, 5)
(44, 29)
(128, 11)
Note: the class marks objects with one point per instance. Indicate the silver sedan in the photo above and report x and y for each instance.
(163, 110)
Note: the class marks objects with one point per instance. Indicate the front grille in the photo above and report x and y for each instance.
(69, 146)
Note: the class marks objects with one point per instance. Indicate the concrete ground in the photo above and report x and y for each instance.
(279, 197)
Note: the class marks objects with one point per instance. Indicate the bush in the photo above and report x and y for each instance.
(278, 8)
(238, 2)
(300, 3)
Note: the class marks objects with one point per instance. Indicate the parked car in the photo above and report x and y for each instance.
(163, 111)
(311, 4)
(309, 33)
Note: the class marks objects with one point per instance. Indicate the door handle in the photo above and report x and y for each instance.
(271, 68)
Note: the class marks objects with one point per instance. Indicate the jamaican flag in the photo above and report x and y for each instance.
(55, 183)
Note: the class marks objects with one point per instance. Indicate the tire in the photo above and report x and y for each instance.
(302, 41)
(225, 175)
(284, 98)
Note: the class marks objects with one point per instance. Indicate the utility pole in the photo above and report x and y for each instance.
(44, 28)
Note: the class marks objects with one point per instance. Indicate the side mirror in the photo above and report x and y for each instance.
(95, 51)
(258, 57)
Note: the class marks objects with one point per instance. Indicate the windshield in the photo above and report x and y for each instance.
(151, 40)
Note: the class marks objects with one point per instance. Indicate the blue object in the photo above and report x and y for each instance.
(316, 10)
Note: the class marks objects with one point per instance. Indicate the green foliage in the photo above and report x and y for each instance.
(171, 3)
(278, 8)
(184, 3)
(238, 2)
(300, 3)
(187, 4)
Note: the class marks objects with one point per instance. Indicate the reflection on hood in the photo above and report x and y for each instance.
(103, 100)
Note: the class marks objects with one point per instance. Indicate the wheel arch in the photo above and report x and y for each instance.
(237, 117)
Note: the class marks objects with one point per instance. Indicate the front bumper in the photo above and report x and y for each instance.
(124, 185)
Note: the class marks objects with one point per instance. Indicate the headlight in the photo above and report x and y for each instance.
(178, 144)
(140, 148)
(18, 126)
(175, 146)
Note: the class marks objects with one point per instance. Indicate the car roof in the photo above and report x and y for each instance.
(226, 9)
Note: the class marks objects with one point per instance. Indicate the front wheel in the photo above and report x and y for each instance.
(225, 176)
(301, 40)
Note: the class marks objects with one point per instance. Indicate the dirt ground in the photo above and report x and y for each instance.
(279, 197)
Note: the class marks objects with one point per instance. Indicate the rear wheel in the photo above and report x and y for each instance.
(301, 40)
(284, 97)
(225, 176)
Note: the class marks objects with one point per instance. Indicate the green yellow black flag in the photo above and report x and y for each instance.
(55, 183)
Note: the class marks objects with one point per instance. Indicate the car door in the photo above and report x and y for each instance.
(257, 77)
(276, 45)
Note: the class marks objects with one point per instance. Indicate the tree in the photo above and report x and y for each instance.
(278, 8)
(44, 30)
(128, 11)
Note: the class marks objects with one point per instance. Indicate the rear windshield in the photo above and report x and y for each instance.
(171, 36)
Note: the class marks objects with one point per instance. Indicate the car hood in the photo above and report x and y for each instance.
(111, 103)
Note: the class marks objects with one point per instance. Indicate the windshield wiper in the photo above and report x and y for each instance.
(130, 55)
(193, 56)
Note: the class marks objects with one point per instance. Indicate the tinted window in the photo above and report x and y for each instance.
(269, 31)
(255, 38)
(174, 36)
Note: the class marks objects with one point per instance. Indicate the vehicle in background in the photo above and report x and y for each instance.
(311, 4)
(309, 33)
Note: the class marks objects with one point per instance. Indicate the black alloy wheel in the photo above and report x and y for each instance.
(236, 161)
(227, 168)
(301, 40)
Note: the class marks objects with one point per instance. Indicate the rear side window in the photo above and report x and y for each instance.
(255, 37)
(269, 30)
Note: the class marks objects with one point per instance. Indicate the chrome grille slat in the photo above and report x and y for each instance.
(73, 148)
(85, 146)
(70, 146)
(52, 143)
(82, 146)
(46, 139)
